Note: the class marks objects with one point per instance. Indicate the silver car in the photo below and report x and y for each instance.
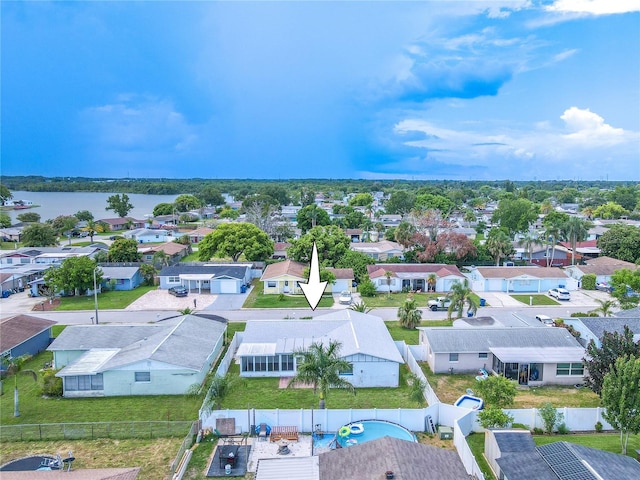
(345, 297)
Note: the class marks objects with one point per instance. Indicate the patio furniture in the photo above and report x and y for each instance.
(284, 433)
(263, 431)
(228, 455)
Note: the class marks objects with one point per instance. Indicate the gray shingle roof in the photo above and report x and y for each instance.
(447, 339)
(187, 344)
(408, 460)
(599, 325)
(631, 313)
(20, 328)
(118, 272)
(357, 332)
(514, 441)
(232, 271)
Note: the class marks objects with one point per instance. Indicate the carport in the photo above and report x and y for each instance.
(197, 281)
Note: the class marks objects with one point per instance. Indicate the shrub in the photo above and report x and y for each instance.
(538, 431)
(493, 417)
(281, 297)
(367, 288)
(550, 417)
(588, 281)
(52, 385)
(598, 426)
(563, 429)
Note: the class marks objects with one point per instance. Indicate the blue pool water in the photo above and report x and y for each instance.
(374, 429)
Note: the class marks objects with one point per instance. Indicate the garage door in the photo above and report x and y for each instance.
(228, 286)
(340, 285)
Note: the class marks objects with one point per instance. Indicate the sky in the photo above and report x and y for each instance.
(457, 90)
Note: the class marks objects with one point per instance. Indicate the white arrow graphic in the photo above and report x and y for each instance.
(314, 288)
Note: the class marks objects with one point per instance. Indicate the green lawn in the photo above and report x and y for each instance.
(537, 299)
(382, 300)
(609, 442)
(35, 409)
(410, 337)
(265, 393)
(257, 299)
(476, 444)
(107, 300)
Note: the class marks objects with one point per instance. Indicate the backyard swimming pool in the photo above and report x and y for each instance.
(371, 430)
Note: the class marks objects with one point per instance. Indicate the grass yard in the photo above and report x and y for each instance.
(450, 387)
(111, 300)
(410, 337)
(154, 456)
(609, 442)
(257, 299)
(537, 299)
(265, 393)
(382, 300)
(476, 444)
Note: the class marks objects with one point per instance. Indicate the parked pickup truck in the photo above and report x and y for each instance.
(440, 303)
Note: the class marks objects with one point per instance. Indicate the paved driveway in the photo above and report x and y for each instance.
(162, 300)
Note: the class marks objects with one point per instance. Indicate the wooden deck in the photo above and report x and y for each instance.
(284, 433)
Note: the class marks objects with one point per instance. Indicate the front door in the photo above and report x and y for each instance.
(286, 286)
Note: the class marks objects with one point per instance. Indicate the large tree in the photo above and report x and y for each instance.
(124, 250)
(28, 217)
(64, 224)
(5, 220)
(211, 196)
(499, 244)
(39, 235)
(621, 398)
(575, 230)
(74, 275)
(265, 216)
(84, 215)
(600, 360)
(321, 366)
(331, 242)
(621, 242)
(400, 202)
(610, 210)
(460, 295)
(515, 214)
(5, 194)
(119, 204)
(622, 280)
(312, 216)
(357, 261)
(236, 239)
(186, 202)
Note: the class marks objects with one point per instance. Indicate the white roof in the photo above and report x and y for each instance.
(89, 363)
(196, 276)
(538, 355)
(293, 468)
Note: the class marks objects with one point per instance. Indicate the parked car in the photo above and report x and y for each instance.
(604, 286)
(545, 320)
(560, 294)
(179, 291)
(440, 303)
(345, 297)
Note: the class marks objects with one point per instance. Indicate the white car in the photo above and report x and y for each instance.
(545, 320)
(345, 297)
(560, 294)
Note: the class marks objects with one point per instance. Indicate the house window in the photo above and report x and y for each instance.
(483, 355)
(348, 371)
(83, 383)
(142, 376)
(260, 363)
(286, 362)
(564, 369)
(271, 284)
(453, 357)
(173, 279)
(272, 364)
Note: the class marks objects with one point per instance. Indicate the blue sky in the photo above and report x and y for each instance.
(414, 90)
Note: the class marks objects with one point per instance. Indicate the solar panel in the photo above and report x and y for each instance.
(564, 462)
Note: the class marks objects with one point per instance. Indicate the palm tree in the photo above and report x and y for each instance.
(576, 230)
(461, 295)
(360, 307)
(14, 367)
(388, 276)
(90, 229)
(221, 386)
(528, 239)
(409, 315)
(160, 258)
(499, 245)
(320, 366)
(606, 307)
(417, 386)
(431, 282)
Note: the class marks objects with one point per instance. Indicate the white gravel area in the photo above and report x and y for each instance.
(163, 300)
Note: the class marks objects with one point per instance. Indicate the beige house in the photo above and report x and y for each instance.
(285, 277)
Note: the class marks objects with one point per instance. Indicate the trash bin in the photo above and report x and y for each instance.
(483, 302)
(469, 313)
(243, 289)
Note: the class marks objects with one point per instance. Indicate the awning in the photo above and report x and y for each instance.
(538, 354)
(89, 363)
(252, 349)
(197, 276)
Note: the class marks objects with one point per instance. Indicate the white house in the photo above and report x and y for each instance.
(414, 276)
(147, 235)
(157, 359)
(207, 278)
(602, 267)
(379, 251)
(530, 355)
(286, 276)
(519, 279)
(268, 347)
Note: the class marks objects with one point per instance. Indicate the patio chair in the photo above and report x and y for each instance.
(262, 432)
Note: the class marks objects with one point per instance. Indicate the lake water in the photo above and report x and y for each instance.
(52, 204)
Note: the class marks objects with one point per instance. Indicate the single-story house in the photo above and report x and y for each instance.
(12, 234)
(286, 276)
(587, 249)
(207, 278)
(593, 328)
(407, 460)
(519, 279)
(174, 251)
(280, 250)
(380, 251)
(147, 235)
(513, 455)
(531, 355)
(268, 347)
(149, 359)
(46, 255)
(414, 276)
(354, 234)
(24, 335)
(198, 234)
(121, 277)
(602, 267)
(19, 276)
(122, 223)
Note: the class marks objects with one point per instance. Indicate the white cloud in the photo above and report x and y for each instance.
(589, 128)
(595, 7)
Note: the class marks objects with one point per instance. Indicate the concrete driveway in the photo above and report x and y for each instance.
(163, 300)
